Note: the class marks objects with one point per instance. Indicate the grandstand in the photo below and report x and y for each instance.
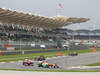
(83, 36)
(20, 30)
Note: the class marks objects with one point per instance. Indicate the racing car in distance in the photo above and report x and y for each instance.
(28, 62)
(40, 58)
(73, 54)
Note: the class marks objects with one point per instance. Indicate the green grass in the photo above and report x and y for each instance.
(86, 50)
(52, 70)
(7, 58)
(96, 64)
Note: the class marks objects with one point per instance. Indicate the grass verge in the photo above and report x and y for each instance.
(96, 64)
(52, 70)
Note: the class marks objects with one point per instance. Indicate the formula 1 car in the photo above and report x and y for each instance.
(73, 54)
(27, 62)
(47, 65)
(40, 58)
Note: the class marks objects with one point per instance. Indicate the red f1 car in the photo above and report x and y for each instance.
(27, 62)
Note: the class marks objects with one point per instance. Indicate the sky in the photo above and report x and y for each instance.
(71, 8)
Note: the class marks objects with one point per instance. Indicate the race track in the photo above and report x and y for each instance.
(63, 61)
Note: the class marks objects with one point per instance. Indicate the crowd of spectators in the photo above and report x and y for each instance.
(22, 34)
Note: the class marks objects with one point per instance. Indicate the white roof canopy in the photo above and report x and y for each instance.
(26, 19)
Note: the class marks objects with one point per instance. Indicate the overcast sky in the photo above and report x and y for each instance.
(74, 8)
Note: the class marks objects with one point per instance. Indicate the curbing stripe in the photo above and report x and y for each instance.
(2, 62)
(12, 62)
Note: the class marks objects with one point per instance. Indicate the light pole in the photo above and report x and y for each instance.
(22, 51)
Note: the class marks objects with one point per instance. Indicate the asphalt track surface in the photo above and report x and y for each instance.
(65, 62)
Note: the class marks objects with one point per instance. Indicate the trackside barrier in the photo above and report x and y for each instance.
(30, 52)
